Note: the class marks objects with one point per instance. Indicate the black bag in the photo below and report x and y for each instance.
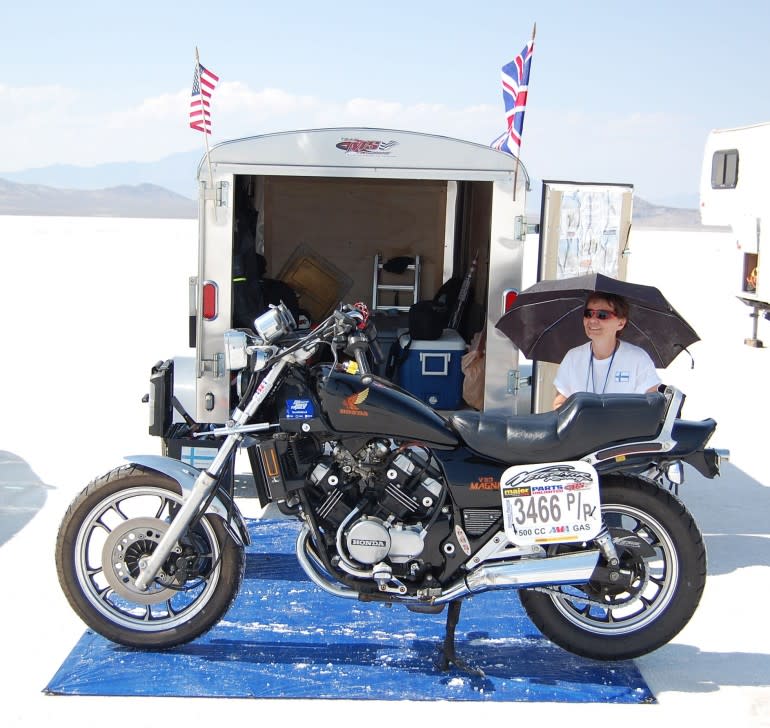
(398, 354)
(275, 291)
(427, 320)
(252, 292)
(449, 294)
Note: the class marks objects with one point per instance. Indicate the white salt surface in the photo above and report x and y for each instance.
(89, 304)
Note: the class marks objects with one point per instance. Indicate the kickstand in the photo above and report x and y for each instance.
(448, 653)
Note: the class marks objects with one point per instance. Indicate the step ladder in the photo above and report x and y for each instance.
(412, 288)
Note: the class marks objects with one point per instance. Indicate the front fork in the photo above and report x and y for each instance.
(207, 480)
(204, 484)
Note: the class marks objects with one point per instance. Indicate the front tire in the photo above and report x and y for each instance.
(665, 576)
(115, 522)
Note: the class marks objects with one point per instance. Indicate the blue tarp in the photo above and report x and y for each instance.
(285, 638)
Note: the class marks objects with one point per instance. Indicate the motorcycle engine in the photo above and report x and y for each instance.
(376, 501)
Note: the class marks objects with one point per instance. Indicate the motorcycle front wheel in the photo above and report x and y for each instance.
(663, 569)
(115, 523)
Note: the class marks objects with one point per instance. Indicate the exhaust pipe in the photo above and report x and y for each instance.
(312, 567)
(575, 568)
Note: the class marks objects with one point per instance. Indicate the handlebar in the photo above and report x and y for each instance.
(348, 329)
(359, 341)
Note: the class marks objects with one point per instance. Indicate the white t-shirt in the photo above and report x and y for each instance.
(632, 371)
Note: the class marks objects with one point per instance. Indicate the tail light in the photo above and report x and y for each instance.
(509, 296)
(210, 297)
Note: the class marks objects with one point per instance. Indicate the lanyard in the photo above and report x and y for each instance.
(590, 374)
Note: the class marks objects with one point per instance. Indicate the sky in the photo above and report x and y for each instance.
(619, 92)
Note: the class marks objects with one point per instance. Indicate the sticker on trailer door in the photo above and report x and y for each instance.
(551, 503)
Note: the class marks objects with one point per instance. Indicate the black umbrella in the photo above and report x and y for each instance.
(546, 320)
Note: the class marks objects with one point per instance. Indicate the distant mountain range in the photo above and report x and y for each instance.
(165, 189)
(143, 200)
(176, 172)
(658, 216)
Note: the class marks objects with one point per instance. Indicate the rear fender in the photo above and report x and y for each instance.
(691, 439)
(707, 462)
(691, 436)
(186, 475)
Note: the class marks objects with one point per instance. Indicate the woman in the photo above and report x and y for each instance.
(605, 364)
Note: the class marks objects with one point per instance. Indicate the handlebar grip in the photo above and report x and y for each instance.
(376, 349)
(363, 364)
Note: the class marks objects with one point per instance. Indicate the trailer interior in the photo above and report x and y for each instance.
(322, 235)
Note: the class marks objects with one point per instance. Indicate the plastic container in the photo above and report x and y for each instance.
(431, 370)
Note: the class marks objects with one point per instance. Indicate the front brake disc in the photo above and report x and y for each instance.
(126, 549)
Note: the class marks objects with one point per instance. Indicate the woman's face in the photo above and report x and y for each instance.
(602, 329)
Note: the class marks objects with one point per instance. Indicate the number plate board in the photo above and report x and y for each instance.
(551, 503)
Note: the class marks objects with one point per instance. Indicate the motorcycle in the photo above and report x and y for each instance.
(399, 503)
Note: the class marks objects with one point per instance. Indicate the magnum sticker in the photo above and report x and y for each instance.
(485, 482)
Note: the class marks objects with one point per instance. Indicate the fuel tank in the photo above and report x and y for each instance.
(378, 408)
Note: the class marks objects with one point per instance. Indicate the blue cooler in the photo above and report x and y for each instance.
(431, 370)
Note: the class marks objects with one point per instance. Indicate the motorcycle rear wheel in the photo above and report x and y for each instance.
(118, 520)
(664, 591)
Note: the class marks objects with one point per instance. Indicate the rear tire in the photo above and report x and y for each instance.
(115, 521)
(665, 587)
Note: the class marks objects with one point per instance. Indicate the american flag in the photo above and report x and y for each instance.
(515, 83)
(204, 83)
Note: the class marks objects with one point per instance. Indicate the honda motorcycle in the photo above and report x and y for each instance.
(401, 504)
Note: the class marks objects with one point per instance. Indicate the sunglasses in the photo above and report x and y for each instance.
(599, 313)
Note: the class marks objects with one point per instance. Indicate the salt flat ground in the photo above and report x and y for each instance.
(89, 304)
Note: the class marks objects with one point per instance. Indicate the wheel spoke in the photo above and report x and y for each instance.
(116, 508)
(650, 581)
(164, 504)
(120, 530)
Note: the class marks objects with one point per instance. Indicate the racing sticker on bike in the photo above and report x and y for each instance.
(299, 409)
(551, 503)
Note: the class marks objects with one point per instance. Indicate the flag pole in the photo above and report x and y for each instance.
(203, 118)
(518, 153)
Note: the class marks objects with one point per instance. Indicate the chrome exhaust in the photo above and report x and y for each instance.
(574, 568)
(312, 566)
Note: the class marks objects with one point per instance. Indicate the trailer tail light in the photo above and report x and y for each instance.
(210, 296)
(509, 296)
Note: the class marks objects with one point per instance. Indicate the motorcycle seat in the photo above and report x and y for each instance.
(583, 424)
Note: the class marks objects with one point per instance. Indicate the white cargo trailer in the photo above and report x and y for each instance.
(327, 210)
(734, 191)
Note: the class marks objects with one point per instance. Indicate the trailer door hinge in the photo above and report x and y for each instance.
(516, 381)
(215, 365)
(222, 193)
(218, 194)
(522, 228)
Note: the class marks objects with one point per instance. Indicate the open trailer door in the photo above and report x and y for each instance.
(584, 228)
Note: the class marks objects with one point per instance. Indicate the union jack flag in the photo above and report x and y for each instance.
(204, 83)
(515, 84)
